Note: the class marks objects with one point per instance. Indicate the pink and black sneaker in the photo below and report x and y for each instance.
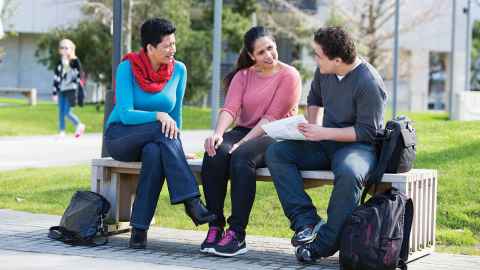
(214, 235)
(230, 245)
(79, 130)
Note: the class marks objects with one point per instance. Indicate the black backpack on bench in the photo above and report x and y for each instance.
(397, 147)
(82, 221)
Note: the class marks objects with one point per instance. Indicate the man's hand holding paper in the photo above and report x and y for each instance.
(312, 132)
(286, 129)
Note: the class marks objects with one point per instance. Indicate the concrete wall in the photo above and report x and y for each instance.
(433, 35)
(19, 67)
(39, 16)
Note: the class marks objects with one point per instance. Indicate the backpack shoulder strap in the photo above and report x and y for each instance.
(386, 151)
(62, 234)
(385, 154)
(56, 233)
(407, 227)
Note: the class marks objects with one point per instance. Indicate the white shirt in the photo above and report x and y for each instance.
(358, 61)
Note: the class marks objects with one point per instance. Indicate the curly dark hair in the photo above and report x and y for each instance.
(153, 30)
(336, 42)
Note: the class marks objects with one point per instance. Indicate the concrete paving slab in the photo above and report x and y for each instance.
(16, 260)
(24, 245)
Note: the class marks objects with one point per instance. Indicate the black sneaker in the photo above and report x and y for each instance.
(306, 234)
(309, 252)
(213, 237)
(230, 245)
(138, 239)
(305, 254)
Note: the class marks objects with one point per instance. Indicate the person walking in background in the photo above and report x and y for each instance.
(260, 89)
(66, 85)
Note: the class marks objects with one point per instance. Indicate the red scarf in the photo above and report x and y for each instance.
(148, 79)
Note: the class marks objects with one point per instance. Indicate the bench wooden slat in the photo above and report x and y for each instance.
(196, 166)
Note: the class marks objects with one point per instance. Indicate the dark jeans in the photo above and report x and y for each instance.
(350, 163)
(240, 167)
(161, 158)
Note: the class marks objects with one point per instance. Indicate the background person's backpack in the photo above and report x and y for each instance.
(82, 220)
(376, 235)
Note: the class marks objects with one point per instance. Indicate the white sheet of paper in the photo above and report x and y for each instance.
(285, 129)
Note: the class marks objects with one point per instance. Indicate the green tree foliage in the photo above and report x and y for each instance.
(94, 49)
(244, 7)
(194, 37)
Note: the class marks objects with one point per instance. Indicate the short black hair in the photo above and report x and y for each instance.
(153, 30)
(336, 42)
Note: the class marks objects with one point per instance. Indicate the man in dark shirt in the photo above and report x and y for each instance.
(351, 96)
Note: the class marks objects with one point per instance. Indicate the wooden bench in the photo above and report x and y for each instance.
(30, 93)
(117, 181)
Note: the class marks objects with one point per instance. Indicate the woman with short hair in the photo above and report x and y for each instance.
(145, 126)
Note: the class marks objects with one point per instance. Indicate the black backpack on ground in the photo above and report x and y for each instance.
(376, 235)
(82, 220)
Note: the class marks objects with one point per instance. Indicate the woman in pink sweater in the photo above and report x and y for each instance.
(260, 89)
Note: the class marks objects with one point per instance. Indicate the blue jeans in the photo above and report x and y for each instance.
(161, 158)
(64, 111)
(350, 163)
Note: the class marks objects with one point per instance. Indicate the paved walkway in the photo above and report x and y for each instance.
(45, 151)
(24, 245)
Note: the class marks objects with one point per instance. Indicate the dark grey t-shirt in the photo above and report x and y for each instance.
(358, 100)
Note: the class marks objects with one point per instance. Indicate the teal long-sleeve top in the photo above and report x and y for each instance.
(135, 106)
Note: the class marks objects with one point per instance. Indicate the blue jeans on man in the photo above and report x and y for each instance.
(350, 163)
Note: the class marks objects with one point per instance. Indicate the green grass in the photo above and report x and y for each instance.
(451, 147)
(17, 118)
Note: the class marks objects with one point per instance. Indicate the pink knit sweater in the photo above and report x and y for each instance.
(252, 97)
